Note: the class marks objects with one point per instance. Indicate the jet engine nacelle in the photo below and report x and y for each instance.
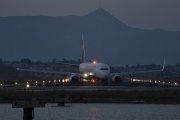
(117, 79)
(74, 78)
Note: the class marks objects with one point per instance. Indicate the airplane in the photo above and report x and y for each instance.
(93, 71)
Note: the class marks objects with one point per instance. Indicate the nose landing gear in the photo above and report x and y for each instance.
(104, 83)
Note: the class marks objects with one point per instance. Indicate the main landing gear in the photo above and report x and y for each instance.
(80, 83)
(104, 83)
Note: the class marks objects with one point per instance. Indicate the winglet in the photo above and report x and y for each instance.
(163, 65)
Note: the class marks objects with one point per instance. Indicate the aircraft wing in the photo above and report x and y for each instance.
(51, 72)
(68, 64)
(138, 72)
(44, 71)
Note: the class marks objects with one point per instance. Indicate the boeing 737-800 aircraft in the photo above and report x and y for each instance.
(93, 71)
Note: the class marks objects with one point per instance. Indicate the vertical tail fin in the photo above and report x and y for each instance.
(83, 50)
(163, 65)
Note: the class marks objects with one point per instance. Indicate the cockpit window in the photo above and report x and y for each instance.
(104, 69)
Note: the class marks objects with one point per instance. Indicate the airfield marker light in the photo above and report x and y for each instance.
(27, 85)
(43, 82)
(49, 81)
(94, 62)
(1, 84)
(175, 83)
(59, 80)
(63, 80)
(54, 80)
(27, 82)
(15, 83)
(36, 82)
(169, 82)
(66, 80)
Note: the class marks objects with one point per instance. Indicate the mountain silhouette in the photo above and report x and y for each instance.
(107, 39)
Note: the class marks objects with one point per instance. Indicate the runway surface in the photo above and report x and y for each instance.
(51, 87)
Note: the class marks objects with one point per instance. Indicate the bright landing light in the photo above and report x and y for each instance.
(90, 73)
(85, 75)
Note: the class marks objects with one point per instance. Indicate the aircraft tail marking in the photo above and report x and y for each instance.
(83, 50)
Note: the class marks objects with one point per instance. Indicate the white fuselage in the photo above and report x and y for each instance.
(99, 70)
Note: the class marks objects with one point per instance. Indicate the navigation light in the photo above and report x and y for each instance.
(93, 80)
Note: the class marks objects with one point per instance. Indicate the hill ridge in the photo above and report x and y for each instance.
(107, 39)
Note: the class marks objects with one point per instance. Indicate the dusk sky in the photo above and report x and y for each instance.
(146, 14)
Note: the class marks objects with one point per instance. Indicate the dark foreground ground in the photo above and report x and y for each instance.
(168, 96)
(142, 92)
